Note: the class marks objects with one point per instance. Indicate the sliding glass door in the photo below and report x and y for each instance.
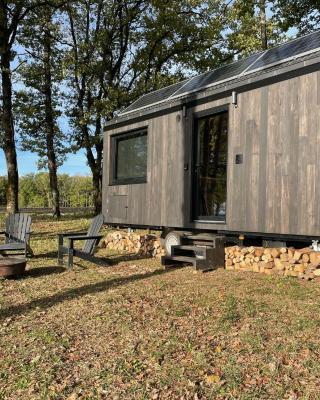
(210, 174)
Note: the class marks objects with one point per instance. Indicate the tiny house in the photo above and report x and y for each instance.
(234, 151)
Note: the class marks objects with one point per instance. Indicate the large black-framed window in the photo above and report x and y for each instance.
(129, 157)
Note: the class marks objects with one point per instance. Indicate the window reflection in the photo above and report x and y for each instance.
(131, 157)
(212, 166)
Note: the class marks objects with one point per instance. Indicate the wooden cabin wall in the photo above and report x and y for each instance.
(274, 190)
(160, 200)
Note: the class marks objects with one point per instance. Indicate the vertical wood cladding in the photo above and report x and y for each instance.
(275, 190)
(280, 139)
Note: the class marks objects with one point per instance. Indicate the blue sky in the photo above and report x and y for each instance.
(75, 164)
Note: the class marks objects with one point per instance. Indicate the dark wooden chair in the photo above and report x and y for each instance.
(91, 240)
(17, 234)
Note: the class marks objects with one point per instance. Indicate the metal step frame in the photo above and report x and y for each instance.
(204, 252)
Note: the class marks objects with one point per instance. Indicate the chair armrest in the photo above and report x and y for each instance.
(62, 236)
(65, 234)
(73, 238)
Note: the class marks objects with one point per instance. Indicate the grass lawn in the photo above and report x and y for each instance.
(132, 330)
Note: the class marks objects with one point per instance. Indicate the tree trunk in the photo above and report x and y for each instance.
(50, 126)
(97, 192)
(263, 24)
(97, 177)
(9, 146)
(95, 164)
(87, 142)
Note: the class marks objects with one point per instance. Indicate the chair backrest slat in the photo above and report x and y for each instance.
(26, 227)
(8, 228)
(17, 226)
(15, 233)
(20, 226)
(93, 230)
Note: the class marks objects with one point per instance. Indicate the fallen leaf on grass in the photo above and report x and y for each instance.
(73, 396)
(35, 359)
(217, 349)
(212, 379)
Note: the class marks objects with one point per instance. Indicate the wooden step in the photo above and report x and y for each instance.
(166, 260)
(206, 257)
(189, 247)
(185, 250)
(203, 236)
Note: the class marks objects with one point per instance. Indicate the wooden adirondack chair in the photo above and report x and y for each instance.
(17, 234)
(91, 240)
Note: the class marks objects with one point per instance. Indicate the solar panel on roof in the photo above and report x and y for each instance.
(226, 72)
(287, 50)
(154, 97)
(222, 73)
(255, 62)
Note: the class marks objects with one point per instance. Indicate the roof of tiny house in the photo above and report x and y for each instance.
(265, 67)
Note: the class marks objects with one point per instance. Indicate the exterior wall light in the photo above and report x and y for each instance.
(235, 99)
(184, 111)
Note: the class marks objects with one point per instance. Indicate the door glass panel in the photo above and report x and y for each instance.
(211, 166)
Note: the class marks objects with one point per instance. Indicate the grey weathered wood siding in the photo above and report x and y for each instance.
(275, 190)
(160, 199)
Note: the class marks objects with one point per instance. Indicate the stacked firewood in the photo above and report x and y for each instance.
(287, 261)
(131, 242)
